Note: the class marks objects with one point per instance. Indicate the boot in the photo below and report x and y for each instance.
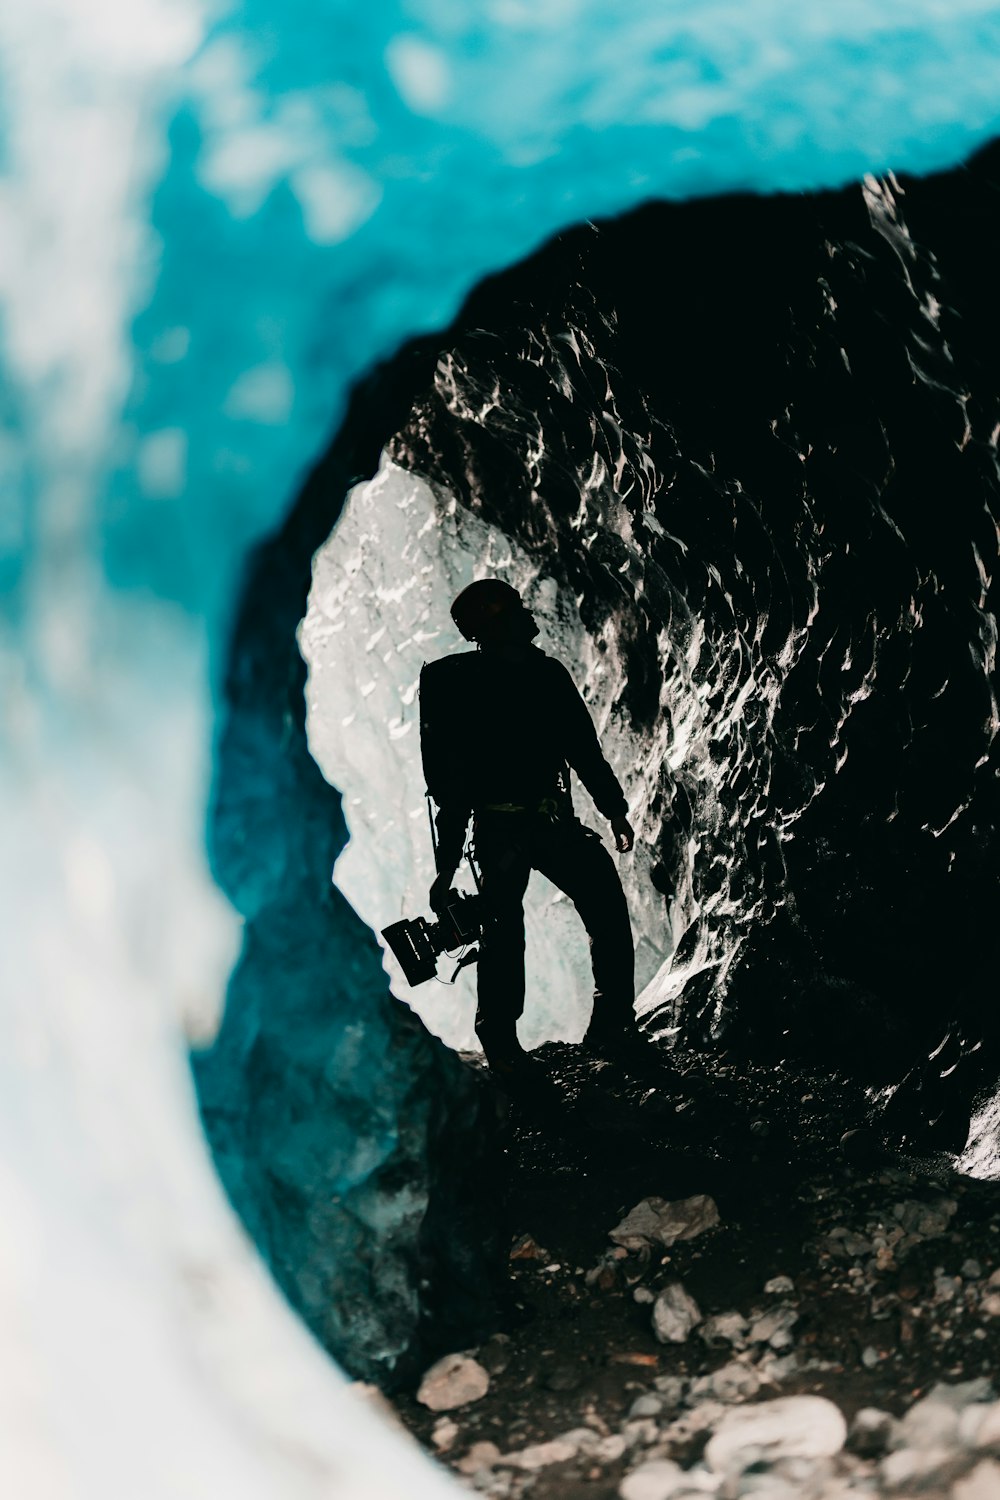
(621, 1041)
(507, 1060)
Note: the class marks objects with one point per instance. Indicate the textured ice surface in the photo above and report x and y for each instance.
(313, 186)
(376, 613)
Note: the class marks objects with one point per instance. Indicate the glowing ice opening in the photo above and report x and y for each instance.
(378, 609)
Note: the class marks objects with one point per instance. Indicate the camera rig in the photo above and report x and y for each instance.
(418, 944)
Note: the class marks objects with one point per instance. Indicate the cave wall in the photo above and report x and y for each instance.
(354, 1145)
(757, 440)
(742, 437)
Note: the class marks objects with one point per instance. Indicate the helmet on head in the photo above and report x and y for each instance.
(479, 603)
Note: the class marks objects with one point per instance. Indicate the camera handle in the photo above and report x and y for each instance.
(430, 819)
(464, 961)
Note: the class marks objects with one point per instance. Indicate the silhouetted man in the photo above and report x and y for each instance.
(499, 729)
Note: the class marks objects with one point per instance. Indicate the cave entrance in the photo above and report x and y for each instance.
(375, 614)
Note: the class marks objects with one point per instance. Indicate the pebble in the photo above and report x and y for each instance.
(480, 1456)
(871, 1432)
(444, 1434)
(779, 1286)
(776, 1368)
(675, 1313)
(656, 1480)
(540, 1455)
(725, 1328)
(454, 1381)
(644, 1295)
(640, 1432)
(671, 1389)
(608, 1450)
(646, 1406)
(945, 1416)
(916, 1466)
(731, 1383)
(527, 1248)
(776, 1323)
(788, 1427)
(495, 1354)
(971, 1269)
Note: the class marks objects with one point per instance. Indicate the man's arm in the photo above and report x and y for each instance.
(443, 775)
(583, 752)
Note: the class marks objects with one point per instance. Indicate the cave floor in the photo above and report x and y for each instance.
(889, 1265)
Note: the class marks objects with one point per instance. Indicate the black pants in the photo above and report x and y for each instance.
(508, 846)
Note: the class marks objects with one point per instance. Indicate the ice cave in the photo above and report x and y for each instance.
(684, 323)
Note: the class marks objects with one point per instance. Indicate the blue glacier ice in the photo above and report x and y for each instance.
(214, 222)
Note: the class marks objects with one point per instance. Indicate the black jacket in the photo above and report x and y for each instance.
(496, 730)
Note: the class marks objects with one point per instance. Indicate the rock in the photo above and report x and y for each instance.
(655, 1480)
(725, 1328)
(871, 1432)
(671, 1389)
(776, 1368)
(934, 1420)
(640, 1432)
(444, 1434)
(644, 1295)
(604, 1450)
(655, 1221)
(454, 1381)
(480, 1456)
(869, 1357)
(775, 1324)
(990, 1305)
(918, 1467)
(788, 1427)
(602, 1277)
(924, 1219)
(646, 1406)
(779, 1286)
(982, 1483)
(691, 1425)
(527, 1248)
(971, 1269)
(675, 1313)
(979, 1425)
(562, 1377)
(731, 1383)
(496, 1353)
(540, 1455)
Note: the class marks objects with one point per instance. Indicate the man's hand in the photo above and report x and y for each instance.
(624, 834)
(440, 891)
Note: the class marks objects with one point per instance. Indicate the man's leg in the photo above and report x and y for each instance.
(504, 869)
(575, 859)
